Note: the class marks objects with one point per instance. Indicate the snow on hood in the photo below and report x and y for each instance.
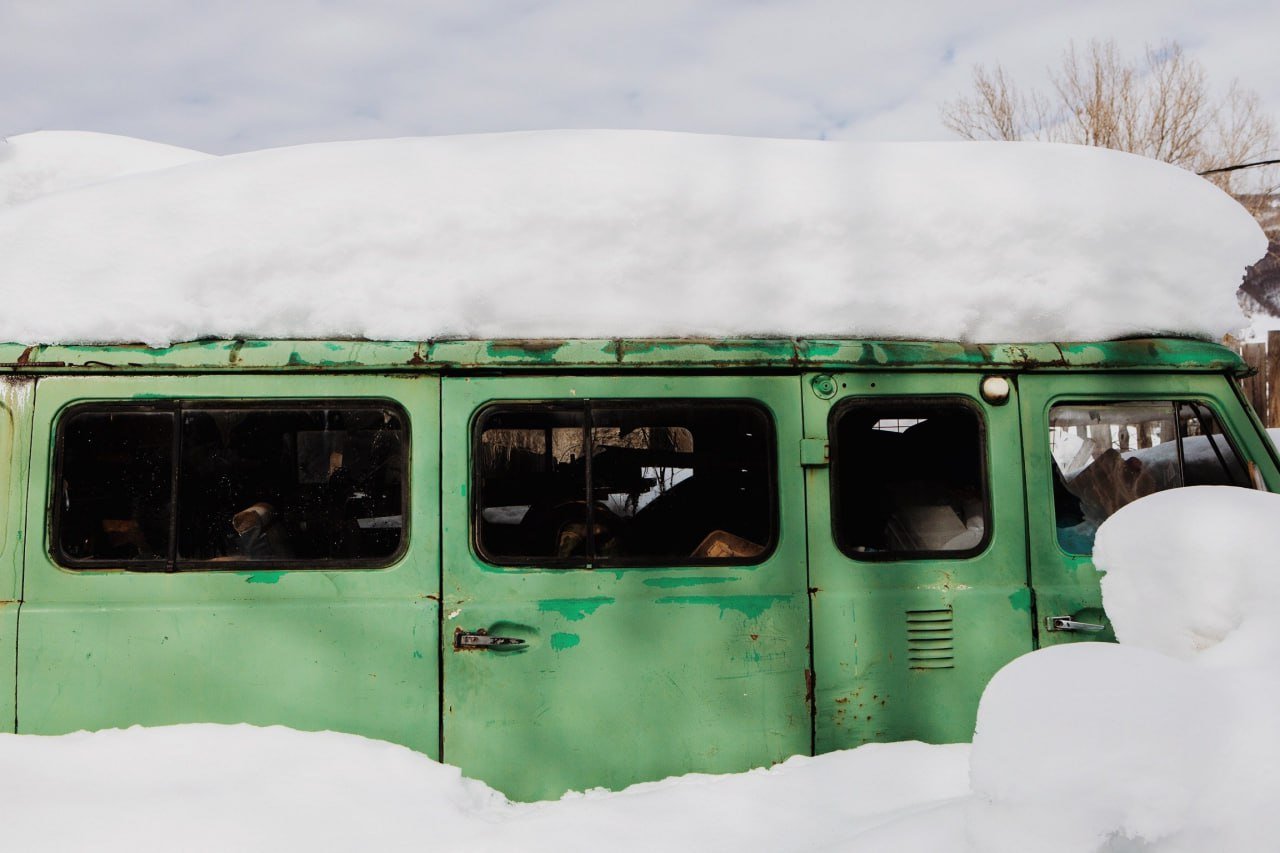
(630, 234)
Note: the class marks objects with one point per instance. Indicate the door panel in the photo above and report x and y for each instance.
(1067, 584)
(15, 433)
(917, 601)
(351, 650)
(626, 673)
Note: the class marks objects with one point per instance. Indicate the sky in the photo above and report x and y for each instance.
(226, 76)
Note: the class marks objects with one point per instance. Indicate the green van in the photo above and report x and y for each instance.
(567, 564)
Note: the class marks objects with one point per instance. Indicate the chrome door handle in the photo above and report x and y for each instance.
(481, 640)
(1066, 623)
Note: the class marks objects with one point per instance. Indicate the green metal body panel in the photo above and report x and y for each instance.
(15, 450)
(629, 674)
(770, 354)
(1068, 584)
(349, 650)
(902, 649)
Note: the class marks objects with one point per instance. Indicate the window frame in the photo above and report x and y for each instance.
(585, 406)
(920, 402)
(172, 564)
(1174, 404)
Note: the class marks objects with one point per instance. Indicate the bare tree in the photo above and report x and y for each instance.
(1159, 106)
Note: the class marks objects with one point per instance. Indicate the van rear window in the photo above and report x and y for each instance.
(624, 483)
(908, 479)
(207, 485)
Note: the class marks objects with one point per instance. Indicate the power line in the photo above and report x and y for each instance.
(1238, 166)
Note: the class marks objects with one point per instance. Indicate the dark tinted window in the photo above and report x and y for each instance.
(624, 484)
(114, 498)
(908, 478)
(307, 484)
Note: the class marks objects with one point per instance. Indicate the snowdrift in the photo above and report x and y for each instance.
(1167, 742)
(1167, 745)
(628, 234)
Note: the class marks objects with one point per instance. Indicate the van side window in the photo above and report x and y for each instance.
(114, 496)
(1106, 455)
(908, 479)
(310, 484)
(613, 483)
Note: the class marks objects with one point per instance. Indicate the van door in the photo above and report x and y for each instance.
(917, 551)
(624, 578)
(1095, 442)
(233, 548)
(15, 431)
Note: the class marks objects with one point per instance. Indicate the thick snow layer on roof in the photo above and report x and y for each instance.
(630, 233)
(35, 164)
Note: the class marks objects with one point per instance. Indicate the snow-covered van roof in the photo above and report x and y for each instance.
(613, 234)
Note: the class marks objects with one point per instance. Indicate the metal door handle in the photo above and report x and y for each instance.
(481, 640)
(1066, 623)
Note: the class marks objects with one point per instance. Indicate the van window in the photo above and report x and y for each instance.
(1106, 455)
(314, 484)
(908, 479)
(616, 483)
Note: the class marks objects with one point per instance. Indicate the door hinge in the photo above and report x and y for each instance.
(814, 451)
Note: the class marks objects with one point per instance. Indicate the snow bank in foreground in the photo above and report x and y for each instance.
(1169, 743)
(35, 164)
(1166, 745)
(631, 233)
(208, 787)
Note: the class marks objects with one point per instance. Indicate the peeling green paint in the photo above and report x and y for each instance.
(751, 606)
(1153, 354)
(674, 582)
(531, 350)
(561, 641)
(573, 609)
(1021, 599)
(262, 577)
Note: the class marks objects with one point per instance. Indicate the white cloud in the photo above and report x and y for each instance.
(233, 76)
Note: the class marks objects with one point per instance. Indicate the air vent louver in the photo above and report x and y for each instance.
(930, 639)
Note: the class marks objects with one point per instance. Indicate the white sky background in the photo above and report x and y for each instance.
(232, 76)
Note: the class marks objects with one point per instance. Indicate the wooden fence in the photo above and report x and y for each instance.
(1263, 388)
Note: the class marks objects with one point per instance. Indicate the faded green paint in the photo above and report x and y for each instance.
(573, 609)
(880, 672)
(561, 641)
(16, 406)
(670, 583)
(652, 688)
(771, 354)
(351, 651)
(750, 606)
(658, 682)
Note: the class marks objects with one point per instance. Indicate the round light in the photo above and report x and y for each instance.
(995, 390)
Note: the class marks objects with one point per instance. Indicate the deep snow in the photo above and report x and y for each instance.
(1165, 744)
(627, 234)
